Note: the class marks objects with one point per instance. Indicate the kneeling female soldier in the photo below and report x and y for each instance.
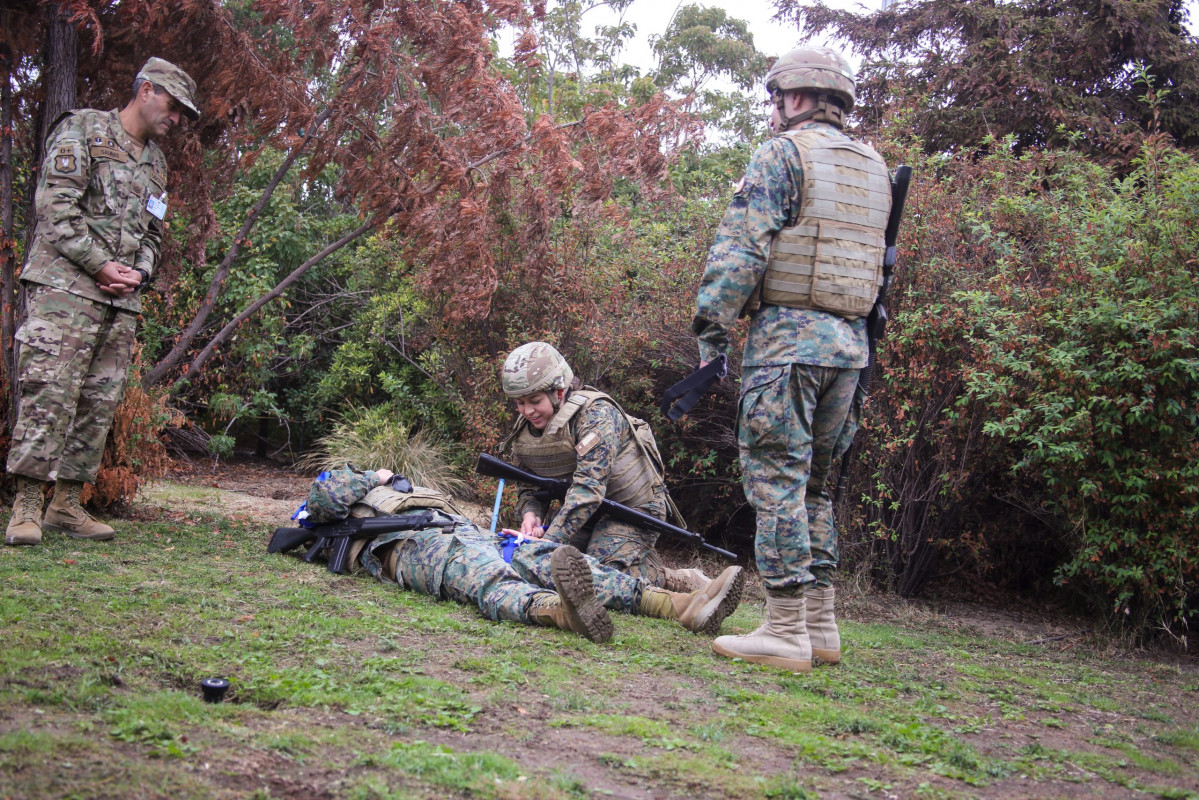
(567, 431)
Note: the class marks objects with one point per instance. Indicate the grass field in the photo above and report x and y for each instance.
(344, 687)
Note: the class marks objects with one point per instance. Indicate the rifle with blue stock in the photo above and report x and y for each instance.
(555, 489)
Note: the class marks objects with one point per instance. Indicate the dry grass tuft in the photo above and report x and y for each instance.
(369, 438)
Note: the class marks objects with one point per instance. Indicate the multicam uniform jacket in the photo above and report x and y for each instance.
(96, 203)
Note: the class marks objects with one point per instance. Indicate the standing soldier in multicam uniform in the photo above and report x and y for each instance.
(545, 583)
(580, 433)
(100, 201)
(799, 251)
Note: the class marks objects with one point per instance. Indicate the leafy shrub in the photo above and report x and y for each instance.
(134, 451)
(1038, 411)
(1094, 378)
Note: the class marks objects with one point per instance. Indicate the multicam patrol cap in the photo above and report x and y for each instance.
(535, 367)
(180, 85)
(815, 69)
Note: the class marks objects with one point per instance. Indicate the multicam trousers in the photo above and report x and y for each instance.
(73, 362)
(465, 565)
(791, 424)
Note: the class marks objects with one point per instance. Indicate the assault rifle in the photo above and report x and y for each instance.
(337, 537)
(555, 489)
(876, 322)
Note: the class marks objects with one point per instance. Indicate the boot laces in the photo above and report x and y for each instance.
(74, 491)
(31, 501)
(545, 601)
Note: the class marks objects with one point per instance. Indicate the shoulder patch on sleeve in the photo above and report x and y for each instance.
(589, 441)
(66, 160)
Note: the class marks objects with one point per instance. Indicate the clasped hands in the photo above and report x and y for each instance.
(117, 279)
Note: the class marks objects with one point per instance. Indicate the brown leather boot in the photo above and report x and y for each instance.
(575, 606)
(781, 641)
(702, 611)
(822, 626)
(686, 580)
(25, 526)
(66, 515)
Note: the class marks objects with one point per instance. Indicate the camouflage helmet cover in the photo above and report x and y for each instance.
(177, 83)
(816, 69)
(535, 367)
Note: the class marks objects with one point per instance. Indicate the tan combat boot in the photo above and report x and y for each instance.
(702, 611)
(66, 515)
(575, 607)
(781, 641)
(25, 526)
(686, 580)
(822, 627)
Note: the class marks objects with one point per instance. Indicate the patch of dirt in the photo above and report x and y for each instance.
(253, 489)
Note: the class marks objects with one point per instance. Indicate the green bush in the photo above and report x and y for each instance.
(1038, 413)
(1091, 371)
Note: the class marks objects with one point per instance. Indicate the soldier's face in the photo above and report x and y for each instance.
(160, 112)
(776, 119)
(537, 408)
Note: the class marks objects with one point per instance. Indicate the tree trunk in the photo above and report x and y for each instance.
(8, 255)
(58, 80)
(59, 74)
(249, 311)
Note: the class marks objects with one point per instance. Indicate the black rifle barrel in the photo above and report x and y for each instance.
(876, 322)
(899, 196)
(556, 488)
(336, 537)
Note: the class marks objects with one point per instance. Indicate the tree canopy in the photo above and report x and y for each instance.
(1095, 73)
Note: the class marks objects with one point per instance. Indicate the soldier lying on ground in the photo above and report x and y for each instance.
(546, 583)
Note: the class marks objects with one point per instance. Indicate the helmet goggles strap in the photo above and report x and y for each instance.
(827, 110)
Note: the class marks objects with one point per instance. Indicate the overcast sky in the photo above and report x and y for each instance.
(652, 16)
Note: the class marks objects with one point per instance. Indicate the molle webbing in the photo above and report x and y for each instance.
(632, 478)
(831, 258)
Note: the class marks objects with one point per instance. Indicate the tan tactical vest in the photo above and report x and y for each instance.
(553, 454)
(384, 500)
(831, 259)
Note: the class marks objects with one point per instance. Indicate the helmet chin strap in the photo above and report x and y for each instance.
(827, 110)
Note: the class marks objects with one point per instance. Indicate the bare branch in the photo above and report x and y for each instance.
(160, 370)
(295, 275)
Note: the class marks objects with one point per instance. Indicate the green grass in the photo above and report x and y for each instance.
(344, 687)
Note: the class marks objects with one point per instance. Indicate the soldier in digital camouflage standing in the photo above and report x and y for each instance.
(100, 202)
(800, 251)
(564, 431)
(539, 582)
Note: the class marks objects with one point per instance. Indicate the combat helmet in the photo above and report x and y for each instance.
(535, 367)
(814, 69)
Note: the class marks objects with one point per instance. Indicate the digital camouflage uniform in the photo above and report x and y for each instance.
(464, 564)
(619, 545)
(799, 376)
(95, 203)
(458, 562)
